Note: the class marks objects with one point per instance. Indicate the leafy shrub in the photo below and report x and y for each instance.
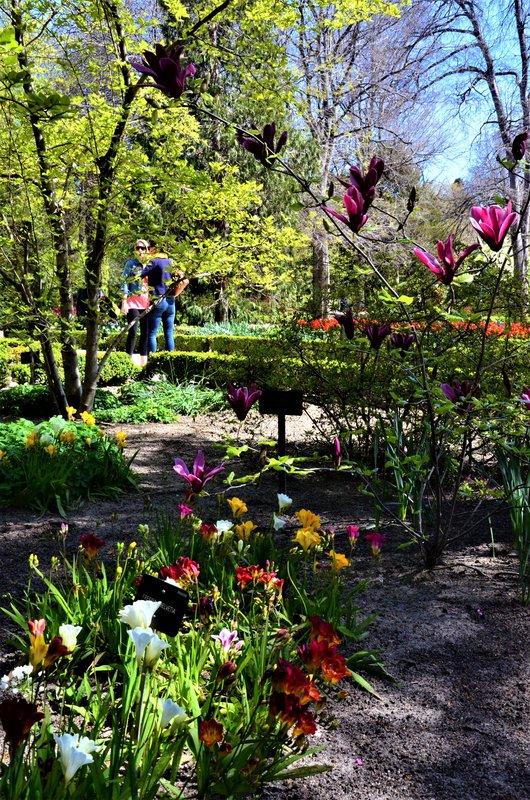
(27, 401)
(117, 370)
(156, 401)
(55, 463)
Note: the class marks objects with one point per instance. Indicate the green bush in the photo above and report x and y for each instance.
(117, 370)
(26, 401)
(56, 463)
(156, 401)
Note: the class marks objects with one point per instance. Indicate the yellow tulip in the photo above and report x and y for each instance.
(308, 520)
(237, 506)
(338, 561)
(307, 538)
(88, 419)
(245, 529)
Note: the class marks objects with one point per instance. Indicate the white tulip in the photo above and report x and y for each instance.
(75, 752)
(283, 502)
(224, 525)
(171, 712)
(69, 634)
(140, 613)
(278, 523)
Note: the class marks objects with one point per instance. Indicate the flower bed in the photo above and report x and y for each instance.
(108, 704)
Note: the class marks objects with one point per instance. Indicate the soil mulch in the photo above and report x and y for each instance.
(455, 725)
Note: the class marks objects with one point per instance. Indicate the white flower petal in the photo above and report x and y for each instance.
(69, 634)
(171, 712)
(284, 501)
(140, 613)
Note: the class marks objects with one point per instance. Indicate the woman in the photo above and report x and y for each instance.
(135, 299)
(161, 285)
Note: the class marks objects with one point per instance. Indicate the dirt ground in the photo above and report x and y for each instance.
(456, 724)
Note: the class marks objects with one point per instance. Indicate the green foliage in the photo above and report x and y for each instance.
(156, 401)
(27, 401)
(514, 466)
(57, 463)
(117, 370)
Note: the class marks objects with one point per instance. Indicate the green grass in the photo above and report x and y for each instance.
(156, 401)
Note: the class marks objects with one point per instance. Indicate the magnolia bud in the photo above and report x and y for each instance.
(519, 145)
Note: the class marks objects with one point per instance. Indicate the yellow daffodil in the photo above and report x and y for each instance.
(237, 506)
(308, 520)
(4, 457)
(88, 419)
(338, 561)
(307, 538)
(121, 438)
(70, 410)
(68, 437)
(51, 449)
(31, 440)
(245, 529)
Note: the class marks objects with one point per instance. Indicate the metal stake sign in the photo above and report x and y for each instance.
(282, 404)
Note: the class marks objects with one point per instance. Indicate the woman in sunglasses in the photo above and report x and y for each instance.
(135, 299)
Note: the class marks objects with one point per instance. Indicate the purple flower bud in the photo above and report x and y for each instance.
(519, 145)
(242, 399)
(262, 145)
(461, 394)
(377, 334)
(347, 322)
(164, 66)
(403, 342)
(336, 452)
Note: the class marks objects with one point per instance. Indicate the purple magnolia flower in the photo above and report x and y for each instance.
(164, 66)
(403, 341)
(366, 184)
(461, 393)
(242, 399)
(336, 452)
(262, 145)
(519, 145)
(200, 474)
(525, 396)
(347, 322)
(492, 224)
(377, 334)
(445, 266)
(354, 204)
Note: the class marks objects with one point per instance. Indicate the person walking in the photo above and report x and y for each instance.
(135, 300)
(161, 285)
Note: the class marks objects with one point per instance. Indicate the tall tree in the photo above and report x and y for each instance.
(481, 52)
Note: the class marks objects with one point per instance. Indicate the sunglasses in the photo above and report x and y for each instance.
(140, 247)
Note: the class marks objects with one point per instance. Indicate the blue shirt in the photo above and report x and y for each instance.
(132, 279)
(158, 273)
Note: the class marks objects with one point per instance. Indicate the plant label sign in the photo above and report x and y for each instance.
(282, 403)
(174, 603)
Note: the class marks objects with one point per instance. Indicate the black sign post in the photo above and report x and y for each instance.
(282, 404)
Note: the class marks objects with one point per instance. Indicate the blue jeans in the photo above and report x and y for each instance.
(164, 311)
